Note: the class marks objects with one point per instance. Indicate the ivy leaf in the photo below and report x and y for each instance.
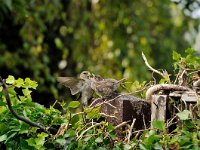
(10, 80)
(61, 141)
(19, 82)
(2, 103)
(31, 142)
(184, 115)
(127, 146)
(94, 113)
(99, 140)
(41, 139)
(70, 133)
(30, 84)
(110, 127)
(74, 104)
(190, 51)
(158, 124)
(8, 3)
(3, 137)
(1, 88)
(24, 144)
(176, 55)
(26, 92)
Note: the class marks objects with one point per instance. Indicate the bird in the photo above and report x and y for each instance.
(79, 85)
(105, 87)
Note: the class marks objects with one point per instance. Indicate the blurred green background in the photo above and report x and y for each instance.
(43, 39)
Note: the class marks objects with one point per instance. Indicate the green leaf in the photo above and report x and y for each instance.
(61, 141)
(157, 146)
(38, 142)
(58, 43)
(184, 115)
(142, 147)
(101, 148)
(31, 142)
(110, 127)
(10, 80)
(70, 133)
(3, 137)
(12, 135)
(99, 140)
(1, 88)
(2, 104)
(41, 139)
(176, 55)
(26, 92)
(30, 84)
(93, 113)
(190, 51)
(127, 146)
(8, 3)
(19, 82)
(74, 104)
(158, 124)
(24, 145)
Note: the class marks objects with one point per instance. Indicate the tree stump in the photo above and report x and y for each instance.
(125, 108)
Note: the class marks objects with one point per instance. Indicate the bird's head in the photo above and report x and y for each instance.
(96, 78)
(85, 75)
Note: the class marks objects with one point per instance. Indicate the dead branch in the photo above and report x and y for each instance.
(172, 87)
(106, 115)
(26, 120)
(197, 83)
(61, 130)
(130, 130)
(164, 75)
(121, 124)
(82, 133)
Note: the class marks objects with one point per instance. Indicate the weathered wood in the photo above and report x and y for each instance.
(159, 107)
(190, 97)
(126, 108)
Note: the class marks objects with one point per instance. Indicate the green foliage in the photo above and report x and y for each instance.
(189, 62)
(184, 115)
(83, 130)
(43, 40)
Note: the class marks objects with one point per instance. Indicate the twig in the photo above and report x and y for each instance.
(26, 120)
(61, 130)
(185, 104)
(54, 103)
(78, 113)
(169, 122)
(106, 115)
(196, 71)
(87, 124)
(143, 118)
(82, 133)
(120, 125)
(130, 130)
(151, 68)
(176, 108)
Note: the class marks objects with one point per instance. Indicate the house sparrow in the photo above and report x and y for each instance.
(104, 87)
(79, 85)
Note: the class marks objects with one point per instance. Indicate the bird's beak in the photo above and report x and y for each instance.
(92, 75)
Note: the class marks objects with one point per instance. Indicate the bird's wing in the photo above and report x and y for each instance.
(87, 93)
(105, 88)
(74, 84)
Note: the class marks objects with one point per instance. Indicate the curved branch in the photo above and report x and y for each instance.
(5, 89)
(151, 68)
(159, 87)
